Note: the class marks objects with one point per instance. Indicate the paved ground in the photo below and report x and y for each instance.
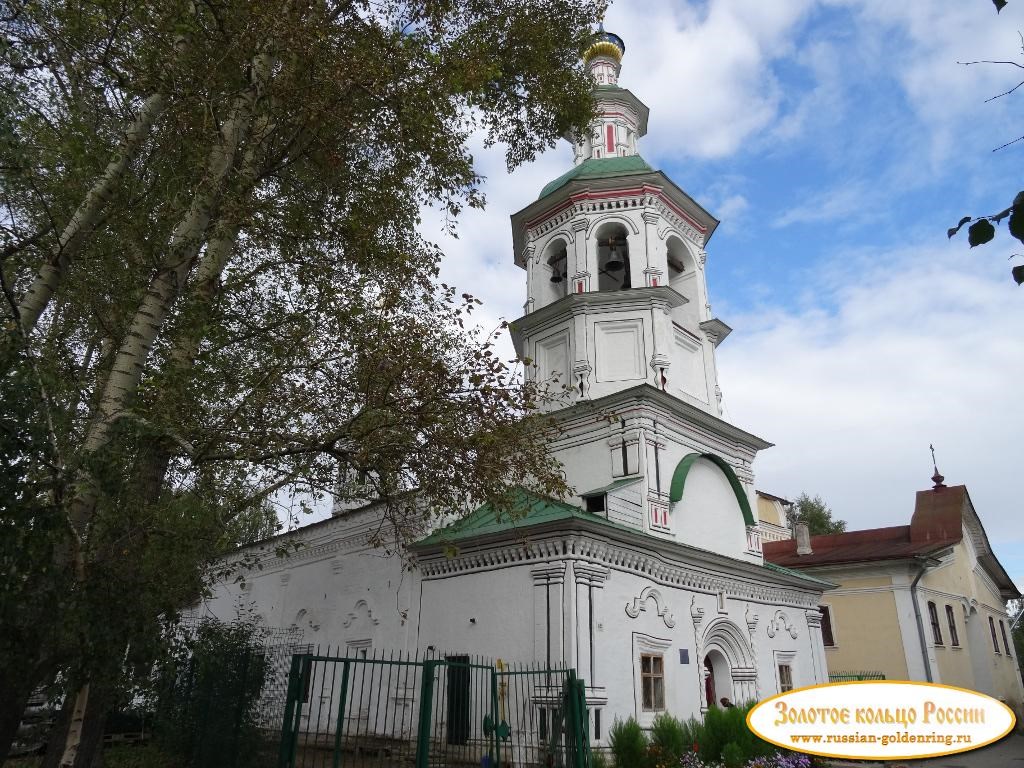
(1007, 753)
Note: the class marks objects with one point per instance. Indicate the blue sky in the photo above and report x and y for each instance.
(837, 141)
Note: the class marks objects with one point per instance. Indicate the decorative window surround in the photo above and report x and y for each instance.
(785, 659)
(649, 645)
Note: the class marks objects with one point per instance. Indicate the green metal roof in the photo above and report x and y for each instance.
(599, 169)
(528, 510)
(799, 574)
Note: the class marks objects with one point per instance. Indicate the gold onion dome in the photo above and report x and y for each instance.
(605, 44)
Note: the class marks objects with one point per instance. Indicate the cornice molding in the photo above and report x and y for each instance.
(650, 563)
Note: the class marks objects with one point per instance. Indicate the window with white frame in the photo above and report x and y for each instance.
(784, 670)
(785, 678)
(652, 681)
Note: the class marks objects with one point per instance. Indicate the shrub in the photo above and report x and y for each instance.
(732, 755)
(598, 758)
(628, 744)
(729, 726)
(208, 696)
(670, 737)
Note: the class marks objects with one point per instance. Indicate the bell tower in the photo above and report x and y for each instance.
(617, 321)
(614, 258)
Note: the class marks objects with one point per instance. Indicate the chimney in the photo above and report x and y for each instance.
(803, 539)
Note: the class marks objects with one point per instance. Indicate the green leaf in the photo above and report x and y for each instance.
(1018, 273)
(999, 4)
(980, 232)
(1016, 224)
(953, 230)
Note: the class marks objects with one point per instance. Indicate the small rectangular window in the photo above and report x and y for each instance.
(785, 678)
(596, 503)
(1002, 630)
(652, 677)
(933, 615)
(597, 725)
(827, 636)
(954, 638)
(992, 629)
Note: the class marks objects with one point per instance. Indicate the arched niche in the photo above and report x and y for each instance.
(613, 257)
(553, 272)
(708, 505)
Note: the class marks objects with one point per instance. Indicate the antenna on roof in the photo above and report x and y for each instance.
(936, 478)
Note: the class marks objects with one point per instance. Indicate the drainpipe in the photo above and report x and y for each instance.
(923, 562)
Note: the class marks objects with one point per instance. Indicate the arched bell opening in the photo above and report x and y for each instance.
(613, 258)
(682, 274)
(556, 261)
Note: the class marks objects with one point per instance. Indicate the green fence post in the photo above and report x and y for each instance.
(341, 715)
(306, 665)
(584, 726)
(426, 700)
(285, 747)
(495, 719)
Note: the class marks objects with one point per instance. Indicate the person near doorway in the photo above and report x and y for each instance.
(726, 704)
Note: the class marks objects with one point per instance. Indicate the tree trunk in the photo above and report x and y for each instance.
(122, 384)
(85, 717)
(50, 275)
(15, 697)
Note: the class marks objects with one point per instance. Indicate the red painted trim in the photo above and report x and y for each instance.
(609, 131)
(579, 286)
(614, 193)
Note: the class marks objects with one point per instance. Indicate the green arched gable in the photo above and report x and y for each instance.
(683, 468)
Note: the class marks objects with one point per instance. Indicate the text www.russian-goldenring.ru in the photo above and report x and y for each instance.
(903, 737)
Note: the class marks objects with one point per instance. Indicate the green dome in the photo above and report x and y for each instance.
(599, 169)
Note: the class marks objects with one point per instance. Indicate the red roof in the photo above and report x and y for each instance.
(937, 523)
(869, 545)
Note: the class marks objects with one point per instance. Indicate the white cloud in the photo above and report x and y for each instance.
(706, 76)
(924, 346)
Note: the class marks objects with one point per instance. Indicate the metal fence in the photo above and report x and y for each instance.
(362, 711)
(846, 677)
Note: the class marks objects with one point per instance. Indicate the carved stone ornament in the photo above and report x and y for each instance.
(361, 610)
(781, 623)
(639, 605)
(696, 613)
(751, 619)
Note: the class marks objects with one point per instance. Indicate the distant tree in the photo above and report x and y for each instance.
(817, 514)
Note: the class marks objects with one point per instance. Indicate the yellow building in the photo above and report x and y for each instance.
(925, 601)
(773, 516)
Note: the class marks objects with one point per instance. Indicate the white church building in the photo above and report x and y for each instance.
(651, 581)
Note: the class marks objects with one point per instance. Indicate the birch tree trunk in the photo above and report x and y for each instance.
(85, 218)
(148, 321)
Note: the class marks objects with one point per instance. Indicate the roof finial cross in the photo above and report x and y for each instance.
(936, 478)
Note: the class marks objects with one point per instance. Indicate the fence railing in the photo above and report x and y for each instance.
(846, 677)
(361, 710)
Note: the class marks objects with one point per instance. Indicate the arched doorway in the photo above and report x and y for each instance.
(728, 665)
(718, 678)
